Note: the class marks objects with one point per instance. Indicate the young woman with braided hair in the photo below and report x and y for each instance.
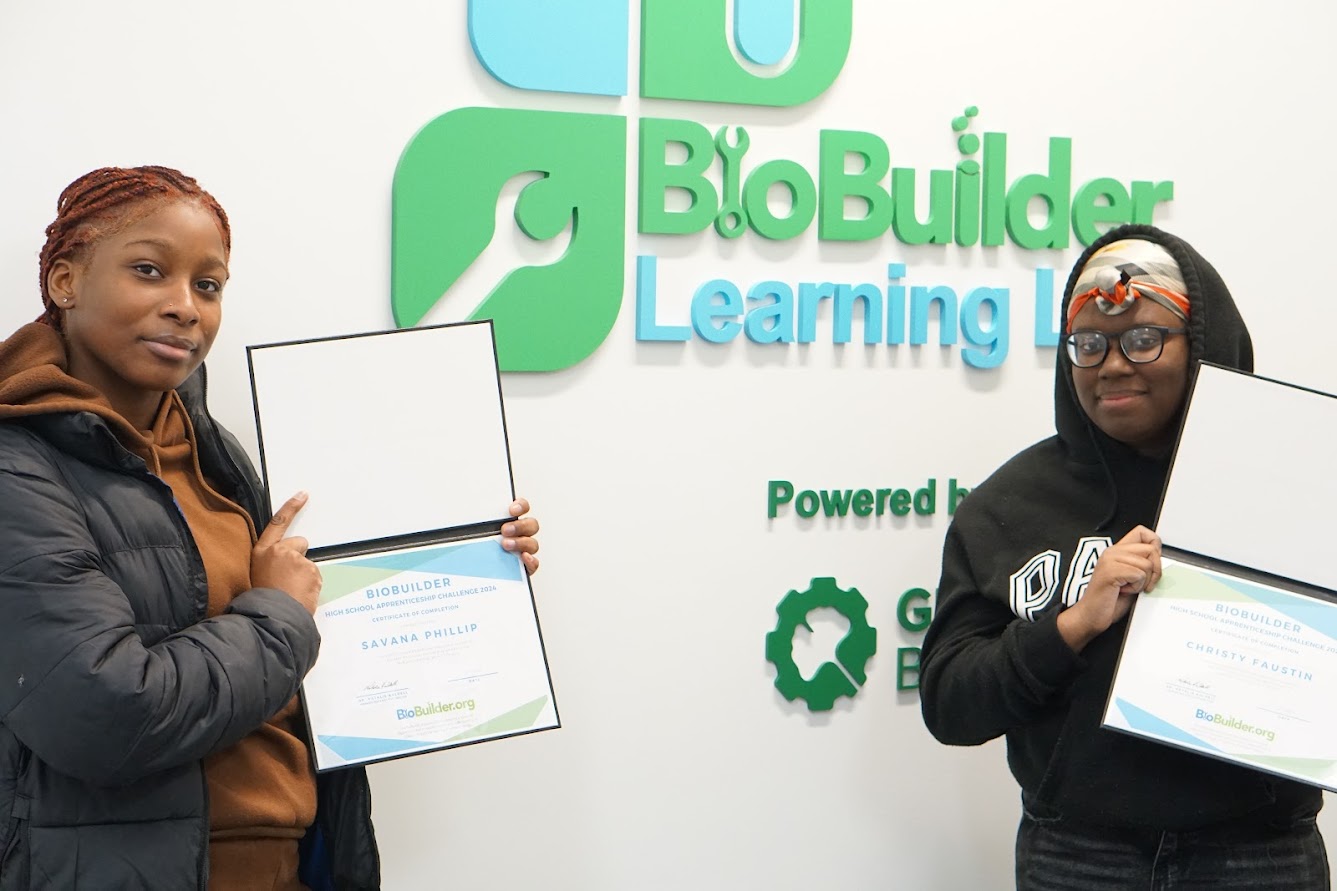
(155, 623)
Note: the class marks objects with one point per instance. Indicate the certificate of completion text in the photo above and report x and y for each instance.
(1232, 668)
(425, 648)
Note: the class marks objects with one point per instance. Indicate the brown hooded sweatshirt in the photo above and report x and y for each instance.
(262, 791)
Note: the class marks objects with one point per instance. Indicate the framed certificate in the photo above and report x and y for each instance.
(1251, 483)
(429, 634)
(1232, 667)
(1234, 652)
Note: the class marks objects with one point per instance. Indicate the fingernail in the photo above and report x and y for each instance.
(508, 544)
(508, 529)
(304, 495)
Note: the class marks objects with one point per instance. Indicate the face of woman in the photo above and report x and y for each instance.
(1137, 404)
(144, 305)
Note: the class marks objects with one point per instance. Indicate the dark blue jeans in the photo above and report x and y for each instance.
(1058, 855)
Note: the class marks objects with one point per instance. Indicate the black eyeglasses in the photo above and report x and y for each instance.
(1143, 344)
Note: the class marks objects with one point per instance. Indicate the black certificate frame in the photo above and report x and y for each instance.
(1217, 563)
(482, 528)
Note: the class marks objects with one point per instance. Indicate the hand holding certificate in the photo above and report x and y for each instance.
(1124, 570)
(430, 638)
(1234, 653)
(279, 562)
(424, 648)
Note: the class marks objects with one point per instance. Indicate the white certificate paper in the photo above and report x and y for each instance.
(425, 648)
(429, 637)
(394, 433)
(1234, 669)
(1262, 502)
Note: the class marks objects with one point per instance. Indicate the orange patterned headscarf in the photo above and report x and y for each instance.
(1123, 271)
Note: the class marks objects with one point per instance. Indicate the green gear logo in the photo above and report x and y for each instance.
(832, 680)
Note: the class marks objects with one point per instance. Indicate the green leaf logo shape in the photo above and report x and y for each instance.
(445, 194)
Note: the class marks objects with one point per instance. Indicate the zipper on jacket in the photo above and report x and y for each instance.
(204, 846)
(15, 827)
(18, 818)
(240, 480)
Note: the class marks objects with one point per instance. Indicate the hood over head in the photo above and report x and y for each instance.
(1216, 331)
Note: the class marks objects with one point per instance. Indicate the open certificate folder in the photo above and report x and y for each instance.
(429, 635)
(1234, 653)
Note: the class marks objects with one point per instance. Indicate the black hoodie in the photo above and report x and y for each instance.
(993, 662)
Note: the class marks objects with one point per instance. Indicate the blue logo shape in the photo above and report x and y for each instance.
(480, 559)
(764, 29)
(362, 748)
(564, 46)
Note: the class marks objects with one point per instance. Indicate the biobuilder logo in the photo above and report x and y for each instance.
(776, 53)
(1234, 723)
(433, 708)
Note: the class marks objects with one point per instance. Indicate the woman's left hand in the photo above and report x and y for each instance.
(517, 536)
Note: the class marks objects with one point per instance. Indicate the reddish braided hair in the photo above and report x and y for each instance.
(106, 200)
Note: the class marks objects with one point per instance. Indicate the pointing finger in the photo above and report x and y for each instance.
(283, 517)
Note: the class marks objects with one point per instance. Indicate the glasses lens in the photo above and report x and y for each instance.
(1087, 348)
(1142, 344)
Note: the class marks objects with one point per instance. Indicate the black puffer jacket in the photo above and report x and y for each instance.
(113, 684)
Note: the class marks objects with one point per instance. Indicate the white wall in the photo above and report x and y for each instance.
(678, 764)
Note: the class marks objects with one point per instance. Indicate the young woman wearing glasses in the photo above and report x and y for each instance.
(1040, 568)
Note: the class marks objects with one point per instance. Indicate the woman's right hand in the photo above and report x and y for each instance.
(278, 562)
(1124, 570)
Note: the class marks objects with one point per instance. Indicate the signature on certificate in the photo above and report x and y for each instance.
(381, 685)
